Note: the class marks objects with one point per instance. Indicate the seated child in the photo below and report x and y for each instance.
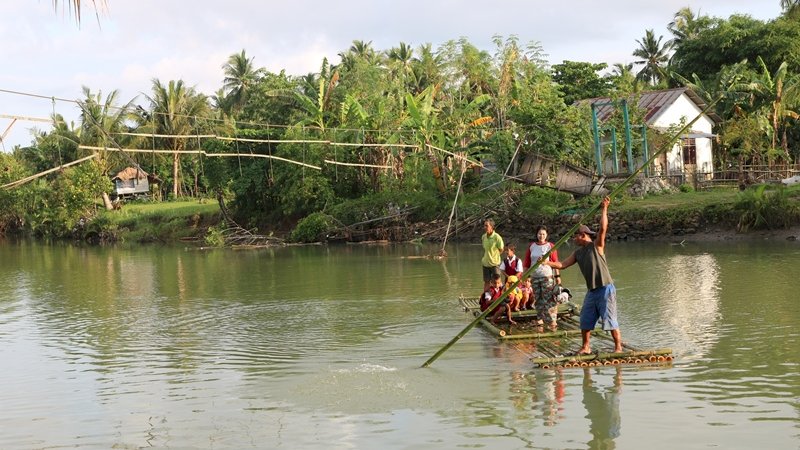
(513, 298)
(527, 294)
(491, 294)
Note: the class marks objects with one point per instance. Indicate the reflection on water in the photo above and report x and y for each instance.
(602, 409)
(320, 347)
(689, 295)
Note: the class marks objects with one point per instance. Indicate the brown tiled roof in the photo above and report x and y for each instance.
(652, 103)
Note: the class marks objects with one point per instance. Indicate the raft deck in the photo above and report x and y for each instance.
(551, 349)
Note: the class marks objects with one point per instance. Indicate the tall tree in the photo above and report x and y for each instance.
(623, 79)
(240, 78)
(177, 111)
(791, 7)
(778, 94)
(581, 80)
(101, 119)
(686, 25)
(654, 56)
(400, 61)
(75, 8)
(427, 68)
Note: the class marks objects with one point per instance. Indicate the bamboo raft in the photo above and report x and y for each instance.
(557, 349)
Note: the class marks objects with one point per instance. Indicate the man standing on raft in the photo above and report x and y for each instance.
(601, 298)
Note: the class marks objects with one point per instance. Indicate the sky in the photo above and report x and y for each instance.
(44, 51)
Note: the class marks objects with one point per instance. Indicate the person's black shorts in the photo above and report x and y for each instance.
(489, 271)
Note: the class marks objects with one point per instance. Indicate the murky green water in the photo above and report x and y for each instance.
(320, 347)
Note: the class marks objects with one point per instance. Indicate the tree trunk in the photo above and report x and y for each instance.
(176, 186)
(107, 202)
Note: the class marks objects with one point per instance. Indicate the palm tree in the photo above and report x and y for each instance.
(176, 111)
(240, 77)
(654, 56)
(623, 78)
(100, 120)
(74, 7)
(790, 7)
(685, 26)
(427, 68)
(358, 51)
(400, 61)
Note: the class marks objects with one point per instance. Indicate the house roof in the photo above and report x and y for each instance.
(130, 173)
(653, 103)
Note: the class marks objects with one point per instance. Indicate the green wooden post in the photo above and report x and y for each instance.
(628, 145)
(597, 153)
(614, 150)
(645, 155)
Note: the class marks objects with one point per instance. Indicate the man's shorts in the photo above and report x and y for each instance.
(489, 271)
(600, 304)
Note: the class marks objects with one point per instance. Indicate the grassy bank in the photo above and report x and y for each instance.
(159, 222)
(669, 214)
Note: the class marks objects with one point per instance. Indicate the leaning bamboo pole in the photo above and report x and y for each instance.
(590, 213)
(22, 181)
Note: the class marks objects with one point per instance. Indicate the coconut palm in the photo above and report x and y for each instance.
(176, 111)
(240, 78)
(74, 7)
(100, 120)
(654, 56)
(400, 61)
(790, 6)
(358, 51)
(427, 68)
(685, 26)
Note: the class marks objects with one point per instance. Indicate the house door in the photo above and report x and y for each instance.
(689, 150)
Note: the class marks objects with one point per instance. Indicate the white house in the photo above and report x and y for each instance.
(672, 108)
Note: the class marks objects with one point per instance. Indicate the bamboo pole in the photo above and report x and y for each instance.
(22, 181)
(198, 152)
(174, 136)
(464, 158)
(453, 210)
(273, 141)
(25, 118)
(328, 161)
(569, 233)
(604, 356)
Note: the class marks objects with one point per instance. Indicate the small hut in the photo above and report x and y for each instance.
(131, 182)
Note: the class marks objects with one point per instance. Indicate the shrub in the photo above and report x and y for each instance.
(544, 201)
(312, 228)
(686, 187)
(214, 237)
(758, 209)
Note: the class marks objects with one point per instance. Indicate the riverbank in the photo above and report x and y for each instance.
(717, 215)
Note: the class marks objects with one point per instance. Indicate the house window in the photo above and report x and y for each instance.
(689, 151)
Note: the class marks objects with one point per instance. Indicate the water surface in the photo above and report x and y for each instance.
(320, 347)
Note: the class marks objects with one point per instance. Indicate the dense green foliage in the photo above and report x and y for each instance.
(399, 131)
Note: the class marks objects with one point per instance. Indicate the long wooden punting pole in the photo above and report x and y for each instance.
(569, 233)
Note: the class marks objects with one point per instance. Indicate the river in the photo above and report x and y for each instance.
(321, 346)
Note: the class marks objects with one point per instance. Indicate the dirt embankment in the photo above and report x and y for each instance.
(695, 229)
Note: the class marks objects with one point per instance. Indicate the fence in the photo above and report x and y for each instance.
(733, 176)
